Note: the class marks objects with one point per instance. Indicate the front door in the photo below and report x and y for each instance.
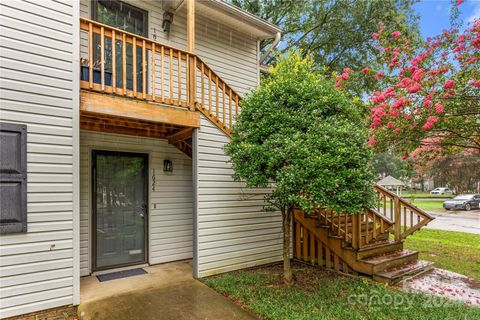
(119, 208)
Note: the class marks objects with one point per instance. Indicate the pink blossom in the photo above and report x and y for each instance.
(375, 123)
(459, 2)
(339, 83)
(430, 122)
(371, 142)
(389, 93)
(390, 125)
(397, 130)
(365, 70)
(449, 84)
(347, 70)
(399, 103)
(475, 84)
(404, 158)
(394, 113)
(379, 75)
(405, 82)
(378, 97)
(414, 88)
(344, 76)
(433, 72)
(427, 103)
(375, 35)
(439, 108)
(418, 75)
(396, 34)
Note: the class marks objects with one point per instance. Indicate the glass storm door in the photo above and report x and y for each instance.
(119, 208)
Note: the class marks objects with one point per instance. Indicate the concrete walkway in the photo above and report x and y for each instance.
(168, 291)
(445, 284)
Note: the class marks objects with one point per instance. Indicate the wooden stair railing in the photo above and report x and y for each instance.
(359, 243)
(406, 217)
(216, 100)
(140, 68)
(356, 230)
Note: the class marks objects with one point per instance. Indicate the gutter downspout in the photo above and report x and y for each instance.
(275, 43)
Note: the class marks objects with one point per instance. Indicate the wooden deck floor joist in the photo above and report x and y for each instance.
(113, 114)
(135, 109)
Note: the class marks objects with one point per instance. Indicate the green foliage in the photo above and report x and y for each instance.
(336, 34)
(298, 131)
(390, 164)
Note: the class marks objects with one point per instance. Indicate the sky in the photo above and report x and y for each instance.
(435, 14)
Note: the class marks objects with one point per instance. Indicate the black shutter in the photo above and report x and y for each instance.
(13, 178)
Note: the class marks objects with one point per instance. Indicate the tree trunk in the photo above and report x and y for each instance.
(287, 268)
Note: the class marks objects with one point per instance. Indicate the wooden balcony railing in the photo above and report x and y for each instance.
(406, 217)
(124, 64)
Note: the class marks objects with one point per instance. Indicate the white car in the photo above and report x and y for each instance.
(441, 191)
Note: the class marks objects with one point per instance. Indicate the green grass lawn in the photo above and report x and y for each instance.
(425, 195)
(318, 294)
(454, 251)
(428, 205)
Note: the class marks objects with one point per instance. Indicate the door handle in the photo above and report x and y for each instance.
(143, 211)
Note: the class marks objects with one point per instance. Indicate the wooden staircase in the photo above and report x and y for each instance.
(369, 243)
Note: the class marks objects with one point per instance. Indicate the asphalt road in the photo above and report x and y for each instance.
(459, 221)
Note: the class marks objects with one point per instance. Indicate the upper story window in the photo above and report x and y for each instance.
(121, 15)
(125, 17)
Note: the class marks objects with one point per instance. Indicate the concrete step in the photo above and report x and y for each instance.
(383, 262)
(406, 271)
(379, 247)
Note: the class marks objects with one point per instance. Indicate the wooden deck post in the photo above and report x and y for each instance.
(397, 219)
(192, 77)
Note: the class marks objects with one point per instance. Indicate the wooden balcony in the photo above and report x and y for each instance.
(148, 88)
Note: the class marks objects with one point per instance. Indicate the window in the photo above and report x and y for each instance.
(13, 178)
(121, 15)
(125, 17)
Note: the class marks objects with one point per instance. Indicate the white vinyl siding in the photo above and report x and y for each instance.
(170, 204)
(36, 89)
(233, 231)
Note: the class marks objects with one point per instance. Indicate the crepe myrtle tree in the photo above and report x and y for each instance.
(304, 140)
(424, 97)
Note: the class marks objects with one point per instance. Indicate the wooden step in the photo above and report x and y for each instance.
(391, 260)
(379, 247)
(406, 271)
